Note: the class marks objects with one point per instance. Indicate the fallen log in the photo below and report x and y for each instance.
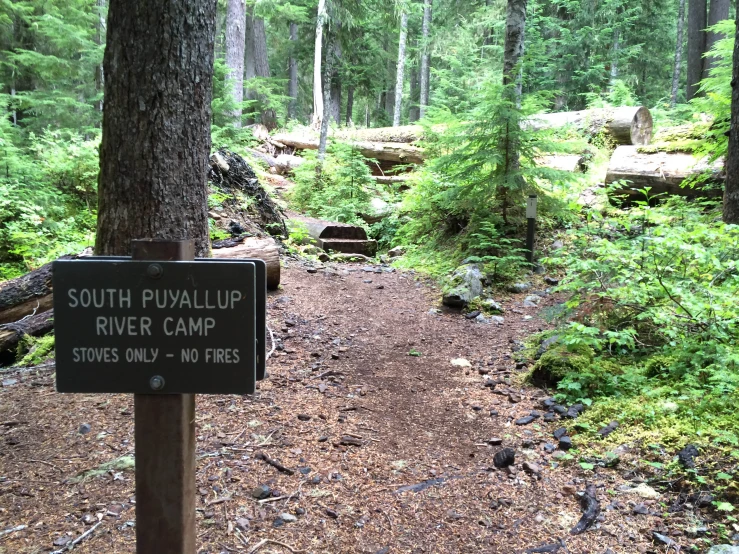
(574, 163)
(398, 152)
(12, 333)
(662, 172)
(27, 294)
(626, 125)
(264, 249)
(390, 179)
(279, 165)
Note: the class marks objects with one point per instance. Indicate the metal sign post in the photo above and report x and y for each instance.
(163, 326)
(531, 230)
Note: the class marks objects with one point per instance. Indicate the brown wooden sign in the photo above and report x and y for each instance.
(158, 327)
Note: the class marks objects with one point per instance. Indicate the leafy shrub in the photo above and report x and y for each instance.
(341, 191)
(653, 294)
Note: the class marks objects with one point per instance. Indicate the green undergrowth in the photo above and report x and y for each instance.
(648, 335)
(35, 350)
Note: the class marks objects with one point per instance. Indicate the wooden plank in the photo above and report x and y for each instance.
(165, 449)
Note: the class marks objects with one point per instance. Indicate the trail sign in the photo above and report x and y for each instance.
(158, 326)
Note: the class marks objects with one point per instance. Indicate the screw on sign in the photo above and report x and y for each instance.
(155, 330)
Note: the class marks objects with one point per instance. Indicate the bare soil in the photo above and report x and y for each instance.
(361, 401)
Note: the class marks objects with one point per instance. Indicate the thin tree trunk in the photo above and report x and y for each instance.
(731, 190)
(292, 87)
(317, 56)
(718, 10)
(156, 124)
(425, 57)
(697, 18)
(328, 73)
(250, 64)
(349, 105)
(512, 53)
(336, 84)
(261, 60)
(678, 53)
(400, 74)
(235, 46)
(614, 57)
(100, 40)
(414, 97)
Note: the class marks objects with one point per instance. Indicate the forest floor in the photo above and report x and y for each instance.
(362, 400)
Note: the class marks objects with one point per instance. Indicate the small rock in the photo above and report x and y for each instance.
(565, 443)
(322, 438)
(641, 509)
(687, 456)
(551, 281)
(395, 252)
(288, 518)
(315, 480)
(557, 244)
(304, 470)
(662, 539)
(84, 429)
(531, 468)
(574, 411)
(461, 363)
(504, 458)
(645, 491)
(548, 403)
(723, 549)
(9, 382)
(495, 441)
(261, 492)
(561, 410)
(531, 301)
(494, 413)
(608, 429)
(476, 408)
(304, 417)
(525, 420)
(514, 398)
(312, 270)
(549, 448)
(350, 441)
(535, 414)
(242, 523)
(559, 433)
(472, 315)
(332, 513)
(549, 417)
(518, 288)
(62, 541)
(569, 490)
(498, 320)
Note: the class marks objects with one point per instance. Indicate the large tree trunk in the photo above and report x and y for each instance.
(400, 73)
(514, 41)
(626, 125)
(292, 87)
(664, 172)
(718, 10)
(317, 58)
(697, 18)
(235, 46)
(676, 68)
(425, 57)
(156, 124)
(731, 191)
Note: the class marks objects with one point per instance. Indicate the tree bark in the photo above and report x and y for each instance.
(349, 105)
(328, 72)
(235, 47)
(697, 19)
(731, 190)
(414, 98)
(156, 124)
(718, 10)
(400, 73)
(26, 294)
(678, 53)
(425, 57)
(317, 73)
(292, 87)
(100, 40)
(614, 57)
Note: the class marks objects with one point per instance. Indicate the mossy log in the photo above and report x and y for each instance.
(12, 333)
(662, 172)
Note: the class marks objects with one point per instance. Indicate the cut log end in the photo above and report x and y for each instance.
(642, 127)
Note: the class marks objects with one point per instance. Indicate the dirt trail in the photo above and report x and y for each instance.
(361, 400)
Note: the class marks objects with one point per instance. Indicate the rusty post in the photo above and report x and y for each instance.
(165, 446)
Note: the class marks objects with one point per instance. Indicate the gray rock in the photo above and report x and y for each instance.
(549, 448)
(557, 244)
(465, 284)
(395, 252)
(261, 492)
(723, 549)
(525, 420)
(565, 443)
(491, 305)
(531, 301)
(498, 320)
(504, 458)
(288, 518)
(84, 429)
(518, 288)
(551, 281)
(559, 433)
